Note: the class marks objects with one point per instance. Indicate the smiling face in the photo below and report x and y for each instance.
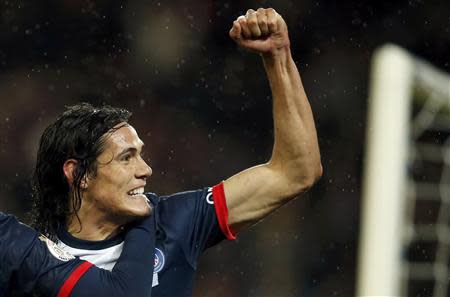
(116, 191)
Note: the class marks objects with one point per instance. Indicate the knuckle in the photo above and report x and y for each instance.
(262, 23)
(272, 23)
(261, 9)
(252, 22)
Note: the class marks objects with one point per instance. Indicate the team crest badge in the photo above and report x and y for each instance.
(56, 251)
(159, 261)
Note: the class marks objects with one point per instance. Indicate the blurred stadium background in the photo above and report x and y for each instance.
(203, 109)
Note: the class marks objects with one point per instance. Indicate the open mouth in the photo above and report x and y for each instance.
(136, 192)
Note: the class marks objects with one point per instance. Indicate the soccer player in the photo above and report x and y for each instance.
(30, 263)
(90, 175)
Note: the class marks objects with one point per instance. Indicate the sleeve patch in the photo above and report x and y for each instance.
(55, 250)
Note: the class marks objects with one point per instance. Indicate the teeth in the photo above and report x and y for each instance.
(138, 191)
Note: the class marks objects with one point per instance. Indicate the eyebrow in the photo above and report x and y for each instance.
(130, 149)
(127, 150)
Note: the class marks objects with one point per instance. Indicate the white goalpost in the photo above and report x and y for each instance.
(405, 236)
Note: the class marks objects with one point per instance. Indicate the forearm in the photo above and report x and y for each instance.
(295, 150)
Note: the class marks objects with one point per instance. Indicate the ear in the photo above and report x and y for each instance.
(69, 168)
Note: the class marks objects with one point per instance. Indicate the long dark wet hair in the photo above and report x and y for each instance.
(79, 134)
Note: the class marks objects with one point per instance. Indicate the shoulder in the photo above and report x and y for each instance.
(178, 211)
(179, 197)
(6, 220)
(15, 237)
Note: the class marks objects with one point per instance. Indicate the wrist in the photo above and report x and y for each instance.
(277, 52)
(280, 56)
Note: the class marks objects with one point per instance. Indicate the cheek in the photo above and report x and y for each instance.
(112, 184)
(118, 182)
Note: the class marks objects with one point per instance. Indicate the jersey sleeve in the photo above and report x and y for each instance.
(131, 276)
(25, 257)
(12, 250)
(34, 265)
(198, 219)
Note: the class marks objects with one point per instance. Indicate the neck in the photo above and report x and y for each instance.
(93, 227)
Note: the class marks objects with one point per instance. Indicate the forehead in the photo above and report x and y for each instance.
(125, 136)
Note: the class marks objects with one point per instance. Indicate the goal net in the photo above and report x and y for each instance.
(405, 234)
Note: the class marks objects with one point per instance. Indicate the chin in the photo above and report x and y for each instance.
(141, 211)
(132, 209)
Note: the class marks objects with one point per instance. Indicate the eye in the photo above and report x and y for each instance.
(126, 157)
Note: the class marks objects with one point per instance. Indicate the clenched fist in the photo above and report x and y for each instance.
(263, 31)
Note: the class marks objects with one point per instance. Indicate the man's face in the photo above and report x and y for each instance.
(117, 189)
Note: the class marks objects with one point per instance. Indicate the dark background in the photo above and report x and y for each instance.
(203, 108)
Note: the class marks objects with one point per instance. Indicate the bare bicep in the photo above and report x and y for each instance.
(253, 194)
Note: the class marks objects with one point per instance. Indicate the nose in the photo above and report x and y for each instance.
(144, 171)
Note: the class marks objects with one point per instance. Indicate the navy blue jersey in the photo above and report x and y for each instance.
(30, 263)
(186, 224)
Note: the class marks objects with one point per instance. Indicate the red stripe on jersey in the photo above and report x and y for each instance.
(72, 280)
(220, 205)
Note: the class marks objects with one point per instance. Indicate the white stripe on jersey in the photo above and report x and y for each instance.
(105, 258)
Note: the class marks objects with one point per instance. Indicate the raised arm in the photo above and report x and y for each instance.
(295, 162)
